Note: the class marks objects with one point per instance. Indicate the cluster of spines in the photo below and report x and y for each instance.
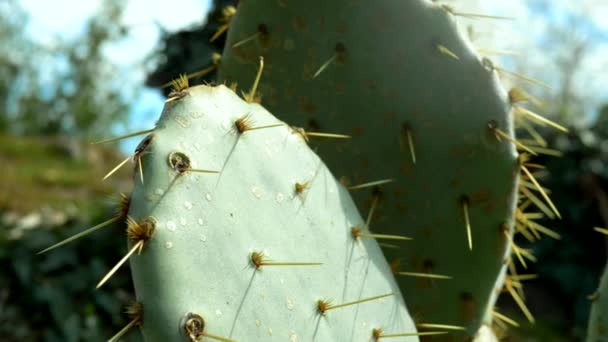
(530, 193)
(526, 223)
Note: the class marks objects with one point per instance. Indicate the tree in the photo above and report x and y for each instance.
(83, 96)
(67, 89)
(189, 50)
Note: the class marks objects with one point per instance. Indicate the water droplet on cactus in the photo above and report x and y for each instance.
(171, 226)
(200, 221)
(268, 151)
(159, 191)
(188, 205)
(208, 196)
(168, 245)
(257, 192)
(290, 304)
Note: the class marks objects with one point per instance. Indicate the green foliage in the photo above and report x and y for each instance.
(190, 50)
(13, 52)
(65, 86)
(54, 172)
(51, 298)
(49, 190)
(53, 92)
(48, 195)
(571, 267)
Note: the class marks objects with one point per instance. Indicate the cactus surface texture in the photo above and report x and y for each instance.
(597, 330)
(422, 108)
(247, 236)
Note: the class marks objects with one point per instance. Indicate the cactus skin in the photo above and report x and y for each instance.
(398, 67)
(485, 334)
(597, 331)
(207, 225)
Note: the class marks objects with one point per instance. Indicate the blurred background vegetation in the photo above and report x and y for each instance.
(56, 98)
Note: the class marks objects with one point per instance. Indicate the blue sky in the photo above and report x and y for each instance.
(525, 34)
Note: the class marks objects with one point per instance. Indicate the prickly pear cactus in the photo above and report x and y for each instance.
(423, 109)
(597, 331)
(242, 233)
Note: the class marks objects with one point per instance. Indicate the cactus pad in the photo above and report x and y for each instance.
(252, 234)
(422, 108)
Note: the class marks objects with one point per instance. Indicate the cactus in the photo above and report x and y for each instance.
(216, 234)
(597, 330)
(424, 110)
(238, 231)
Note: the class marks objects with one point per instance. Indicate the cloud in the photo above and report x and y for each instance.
(145, 19)
(65, 18)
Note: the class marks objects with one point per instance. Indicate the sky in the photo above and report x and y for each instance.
(532, 34)
(528, 34)
(141, 16)
(144, 18)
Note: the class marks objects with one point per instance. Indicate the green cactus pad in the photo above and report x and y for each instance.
(214, 265)
(597, 330)
(422, 108)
